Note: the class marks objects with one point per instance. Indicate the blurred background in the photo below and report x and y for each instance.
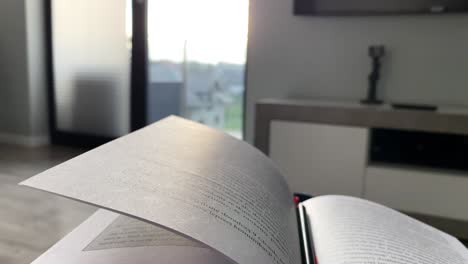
(360, 98)
(77, 74)
(191, 54)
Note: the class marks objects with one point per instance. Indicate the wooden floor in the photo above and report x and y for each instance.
(31, 221)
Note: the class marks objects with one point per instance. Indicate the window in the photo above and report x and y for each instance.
(197, 55)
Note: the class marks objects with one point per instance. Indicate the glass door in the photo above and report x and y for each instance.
(89, 67)
(196, 61)
(118, 65)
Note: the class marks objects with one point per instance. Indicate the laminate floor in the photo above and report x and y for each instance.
(31, 221)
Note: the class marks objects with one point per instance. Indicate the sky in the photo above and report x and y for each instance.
(215, 30)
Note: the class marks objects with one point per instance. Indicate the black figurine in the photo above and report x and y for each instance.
(376, 52)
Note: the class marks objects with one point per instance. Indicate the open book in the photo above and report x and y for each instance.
(180, 192)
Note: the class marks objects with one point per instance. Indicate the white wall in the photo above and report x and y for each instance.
(23, 105)
(14, 106)
(326, 57)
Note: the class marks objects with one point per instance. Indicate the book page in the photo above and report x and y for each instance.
(127, 232)
(190, 179)
(351, 230)
(110, 238)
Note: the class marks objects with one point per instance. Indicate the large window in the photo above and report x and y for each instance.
(193, 51)
(197, 55)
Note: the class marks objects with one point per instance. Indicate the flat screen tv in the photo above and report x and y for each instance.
(378, 7)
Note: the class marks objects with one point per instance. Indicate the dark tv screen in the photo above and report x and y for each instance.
(376, 7)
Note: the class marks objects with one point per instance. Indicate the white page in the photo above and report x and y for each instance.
(191, 179)
(84, 245)
(351, 230)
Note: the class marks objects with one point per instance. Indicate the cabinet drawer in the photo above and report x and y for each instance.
(426, 192)
(320, 159)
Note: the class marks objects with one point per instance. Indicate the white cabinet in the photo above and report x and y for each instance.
(320, 159)
(420, 191)
(324, 159)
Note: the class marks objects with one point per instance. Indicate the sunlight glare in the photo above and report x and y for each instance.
(215, 30)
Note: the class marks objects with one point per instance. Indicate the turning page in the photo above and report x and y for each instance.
(110, 238)
(351, 230)
(190, 179)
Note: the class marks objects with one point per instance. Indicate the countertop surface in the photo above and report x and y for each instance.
(446, 119)
(441, 109)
